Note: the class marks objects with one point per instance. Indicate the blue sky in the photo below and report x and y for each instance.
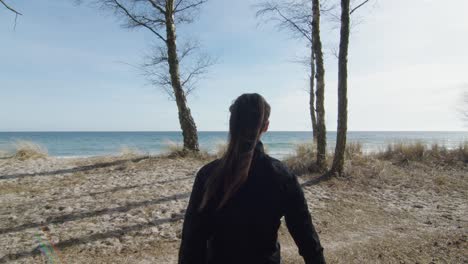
(65, 68)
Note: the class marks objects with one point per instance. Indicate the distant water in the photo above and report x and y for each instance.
(279, 144)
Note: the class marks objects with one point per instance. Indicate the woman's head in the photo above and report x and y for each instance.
(248, 120)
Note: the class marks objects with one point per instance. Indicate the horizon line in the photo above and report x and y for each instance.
(225, 131)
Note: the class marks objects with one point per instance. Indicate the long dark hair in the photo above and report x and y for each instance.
(249, 117)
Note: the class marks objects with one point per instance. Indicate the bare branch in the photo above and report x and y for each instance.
(187, 49)
(200, 68)
(158, 7)
(193, 68)
(10, 8)
(179, 2)
(158, 58)
(178, 9)
(135, 19)
(290, 16)
(358, 6)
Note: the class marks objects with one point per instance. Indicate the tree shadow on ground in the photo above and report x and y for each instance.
(78, 216)
(112, 190)
(91, 238)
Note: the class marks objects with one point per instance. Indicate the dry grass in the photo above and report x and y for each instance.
(353, 149)
(26, 150)
(303, 160)
(221, 148)
(175, 151)
(405, 152)
(129, 152)
(4, 154)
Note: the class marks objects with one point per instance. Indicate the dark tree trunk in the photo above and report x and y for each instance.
(320, 91)
(338, 161)
(312, 94)
(187, 124)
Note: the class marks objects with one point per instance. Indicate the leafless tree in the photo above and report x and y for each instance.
(338, 160)
(160, 17)
(302, 19)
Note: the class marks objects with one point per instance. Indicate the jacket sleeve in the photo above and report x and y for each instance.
(299, 223)
(194, 232)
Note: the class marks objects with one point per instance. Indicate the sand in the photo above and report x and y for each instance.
(129, 209)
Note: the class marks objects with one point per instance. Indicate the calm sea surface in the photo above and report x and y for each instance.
(279, 144)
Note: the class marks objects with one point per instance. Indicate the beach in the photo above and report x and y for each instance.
(129, 209)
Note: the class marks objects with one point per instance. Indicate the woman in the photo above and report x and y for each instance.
(237, 201)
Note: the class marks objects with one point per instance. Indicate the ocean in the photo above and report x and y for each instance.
(279, 144)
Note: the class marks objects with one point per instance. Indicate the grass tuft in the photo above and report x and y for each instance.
(353, 149)
(221, 149)
(130, 152)
(26, 150)
(303, 161)
(404, 152)
(435, 154)
(175, 150)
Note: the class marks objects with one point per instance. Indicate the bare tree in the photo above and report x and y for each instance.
(338, 160)
(320, 91)
(160, 17)
(302, 19)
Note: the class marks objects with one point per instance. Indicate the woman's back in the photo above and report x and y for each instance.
(237, 201)
(245, 229)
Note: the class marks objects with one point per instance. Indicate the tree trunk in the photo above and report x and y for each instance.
(187, 124)
(312, 94)
(338, 161)
(320, 91)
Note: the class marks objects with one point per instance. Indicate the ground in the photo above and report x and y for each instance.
(129, 209)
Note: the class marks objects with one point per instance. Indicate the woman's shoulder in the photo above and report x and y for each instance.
(278, 167)
(207, 169)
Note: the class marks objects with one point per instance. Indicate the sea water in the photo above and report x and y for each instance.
(278, 143)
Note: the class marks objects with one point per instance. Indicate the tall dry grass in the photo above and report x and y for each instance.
(406, 152)
(304, 157)
(130, 152)
(175, 150)
(303, 160)
(26, 150)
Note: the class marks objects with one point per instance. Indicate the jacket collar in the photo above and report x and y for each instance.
(259, 147)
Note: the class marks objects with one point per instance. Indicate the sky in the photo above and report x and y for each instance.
(67, 67)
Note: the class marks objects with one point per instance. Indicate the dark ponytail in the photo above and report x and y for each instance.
(249, 116)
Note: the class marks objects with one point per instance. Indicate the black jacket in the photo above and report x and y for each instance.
(245, 230)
